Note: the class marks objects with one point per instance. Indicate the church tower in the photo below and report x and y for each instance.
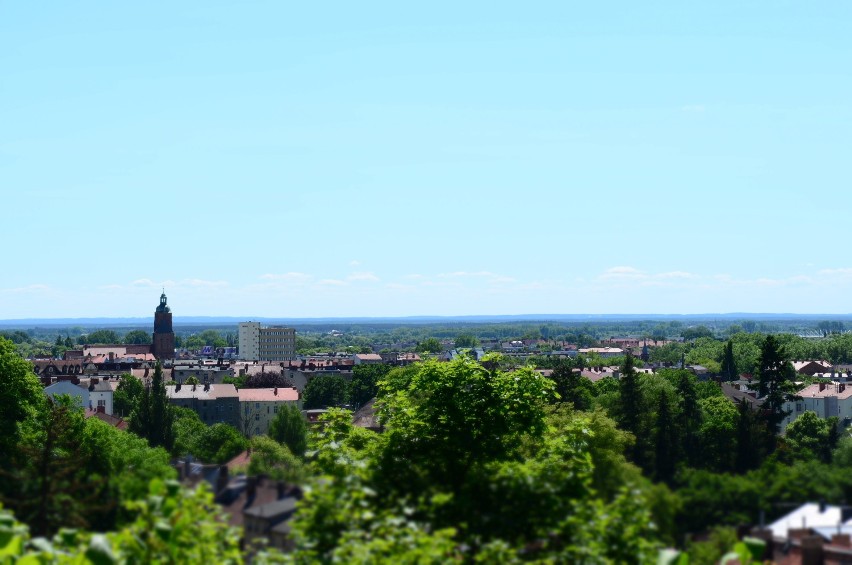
(164, 336)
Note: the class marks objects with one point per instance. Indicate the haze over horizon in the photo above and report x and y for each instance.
(388, 160)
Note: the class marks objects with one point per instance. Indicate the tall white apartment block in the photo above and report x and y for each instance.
(273, 343)
(277, 343)
(249, 341)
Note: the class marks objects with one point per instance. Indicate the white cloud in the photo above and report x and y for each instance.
(363, 276)
(28, 288)
(492, 277)
(292, 276)
(677, 275)
(331, 282)
(623, 272)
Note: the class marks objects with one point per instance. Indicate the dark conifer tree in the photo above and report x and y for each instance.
(774, 386)
(689, 419)
(630, 405)
(750, 434)
(729, 366)
(153, 418)
(666, 442)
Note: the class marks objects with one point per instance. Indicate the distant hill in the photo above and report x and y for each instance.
(403, 320)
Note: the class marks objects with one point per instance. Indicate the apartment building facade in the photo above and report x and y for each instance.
(266, 343)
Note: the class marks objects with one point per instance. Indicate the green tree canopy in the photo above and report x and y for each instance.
(219, 444)
(470, 458)
(153, 416)
(290, 428)
(325, 391)
(101, 337)
(364, 383)
(137, 337)
(270, 458)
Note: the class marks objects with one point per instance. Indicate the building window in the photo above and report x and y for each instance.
(257, 417)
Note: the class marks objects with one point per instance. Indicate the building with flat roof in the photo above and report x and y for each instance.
(266, 343)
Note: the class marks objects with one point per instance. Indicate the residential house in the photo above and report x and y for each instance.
(101, 394)
(367, 359)
(602, 351)
(263, 508)
(79, 393)
(214, 403)
(826, 399)
(259, 406)
(811, 368)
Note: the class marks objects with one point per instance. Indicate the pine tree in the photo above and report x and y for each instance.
(162, 417)
(729, 366)
(630, 403)
(774, 387)
(689, 419)
(750, 447)
(153, 418)
(666, 442)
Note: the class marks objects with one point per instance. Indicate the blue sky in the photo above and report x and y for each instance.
(382, 159)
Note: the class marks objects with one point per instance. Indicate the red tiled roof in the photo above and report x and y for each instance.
(279, 394)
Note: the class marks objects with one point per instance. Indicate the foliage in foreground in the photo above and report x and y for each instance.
(171, 525)
(472, 467)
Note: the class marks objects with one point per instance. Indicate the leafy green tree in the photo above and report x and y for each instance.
(469, 459)
(694, 333)
(219, 444)
(127, 395)
(270, 458)
(187, 430)
(364, 383)
(718, 433)
(101, 337)
(808, 437)
(207, 337)
(466, 340)
(290, 428)
(170, 525)
(571, 386)
(429, 345)
(137, 337)
(53, 487)
(22, 397)
(325, 391)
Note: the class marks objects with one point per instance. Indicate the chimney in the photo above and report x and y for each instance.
(842, 540)
(111, 356)
(812, 553)
(206, 387)
(275, 391)
(222, 479)
(821, 387)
